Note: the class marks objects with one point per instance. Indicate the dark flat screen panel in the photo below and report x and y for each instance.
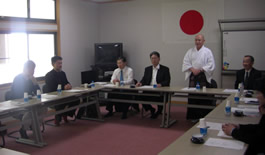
(107, 53)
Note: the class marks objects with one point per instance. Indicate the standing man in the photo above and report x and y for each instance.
(156, 74)
(122, 75)
(52, 79)
(248, 75)
(198, 65)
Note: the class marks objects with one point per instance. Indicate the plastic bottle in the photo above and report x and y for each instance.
(38, 94)
(198, 87)
(92, 84)
(121, 83)
(228, 108)
(236, 98)
(59, 89)
(26, 97)
(241, 89)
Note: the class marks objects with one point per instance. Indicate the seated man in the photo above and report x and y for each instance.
(155, 74)
(248, 75)
(252, 134)
(25, 82)
(52, 79)
(122, 75)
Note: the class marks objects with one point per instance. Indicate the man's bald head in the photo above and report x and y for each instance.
(199, 41)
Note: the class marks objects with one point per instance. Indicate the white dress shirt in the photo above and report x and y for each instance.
(127, 75)
(154, 74)
(202, 59)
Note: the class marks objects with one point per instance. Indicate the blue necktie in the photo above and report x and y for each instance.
(121, 76)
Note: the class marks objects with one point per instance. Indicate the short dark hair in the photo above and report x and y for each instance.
(155, 53)
(123, 59)
(55, 58)
(251, 58)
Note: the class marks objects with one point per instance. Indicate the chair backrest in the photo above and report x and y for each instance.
(8, 95)
(213, 84)
(44, 89)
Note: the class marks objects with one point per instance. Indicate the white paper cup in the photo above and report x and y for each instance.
(26, 95)
(85, 85)
(202, 123)
(59, 87)
(117, 84)
(204, 88)
(38, 92)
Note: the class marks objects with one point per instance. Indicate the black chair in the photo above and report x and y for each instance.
(2, 134)
(8, 95)
(213, 85)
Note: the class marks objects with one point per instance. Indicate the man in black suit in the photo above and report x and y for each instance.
(248, 75)
(252, 134)
(156, 74)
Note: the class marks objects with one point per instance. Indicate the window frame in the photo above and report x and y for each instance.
(29, 19)
(57, 46)
(28, 33)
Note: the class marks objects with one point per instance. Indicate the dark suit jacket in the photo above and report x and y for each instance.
(254, 75)
(162, 77)
(252, 134)
(21, 85)
(53, 78)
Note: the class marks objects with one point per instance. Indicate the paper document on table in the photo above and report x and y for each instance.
(225, 143)
(246, 111)
(146, 87)
(249, 100)
(248, 106)
(109, 85)
(101, 83)
(73, 91)
(189, 89)
(230, 90)
(222, 134)
(213, 126)
(47, 96)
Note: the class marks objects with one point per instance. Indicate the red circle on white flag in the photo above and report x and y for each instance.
(191, 22)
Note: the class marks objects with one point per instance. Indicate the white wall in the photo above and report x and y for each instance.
(242, 9)
(79, 32)
(147, 25)
(144, 26)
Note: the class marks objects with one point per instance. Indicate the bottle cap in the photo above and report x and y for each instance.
(228, 104)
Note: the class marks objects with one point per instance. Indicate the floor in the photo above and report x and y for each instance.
(135, 135)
